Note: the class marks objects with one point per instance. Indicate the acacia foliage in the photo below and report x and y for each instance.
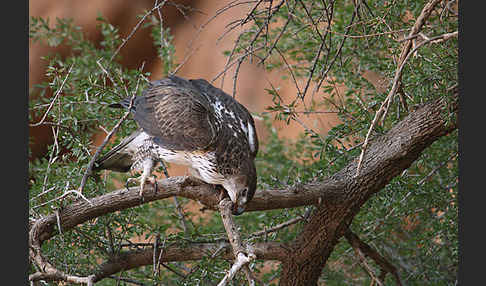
(412, 222)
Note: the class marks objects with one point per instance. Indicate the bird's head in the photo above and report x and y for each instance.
(241, 188)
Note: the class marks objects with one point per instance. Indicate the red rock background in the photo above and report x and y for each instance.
(206, 62)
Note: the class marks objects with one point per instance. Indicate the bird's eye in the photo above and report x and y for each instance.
(244, 192)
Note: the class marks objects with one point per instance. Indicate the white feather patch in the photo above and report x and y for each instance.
(251, 137)
(138, 141)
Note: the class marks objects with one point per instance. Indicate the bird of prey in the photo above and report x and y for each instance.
(192, 123)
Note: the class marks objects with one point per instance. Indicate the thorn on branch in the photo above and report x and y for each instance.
(103, 144)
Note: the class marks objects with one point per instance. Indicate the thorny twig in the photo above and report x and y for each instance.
(251, 50)
(137, 26)
(178, 207)
(54, 99)
(241, 260)
(76, 192)
(385, 104)
(156, 264)
(405, 54)
(165, 43)
(362, 249)
(107, 139)
(278, 227)
(98, 62)
(49, 163)
(323, 73)
(233, 62)
(124, 279)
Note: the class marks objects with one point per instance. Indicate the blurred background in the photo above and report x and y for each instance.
(200, 41)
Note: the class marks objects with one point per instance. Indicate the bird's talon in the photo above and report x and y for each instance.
(156, 186)
(128, 182)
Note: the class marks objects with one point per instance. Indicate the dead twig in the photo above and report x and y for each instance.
(241, 260)
(277, 227)
(137, 26)
(76, 192)
(323, 73)
(416, 29)
(242, 254)
(54, 99)
(404, 55)
(382, 110)
(105, 141)
(252, 50)
(362, 249)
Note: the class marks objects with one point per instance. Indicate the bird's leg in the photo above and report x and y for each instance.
(164, 169)
(154, 182)
(144, 178)
(127, 182)
(147, 169)
(154, 179)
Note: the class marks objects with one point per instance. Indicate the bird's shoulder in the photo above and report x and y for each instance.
(234, 118)
(176, 115)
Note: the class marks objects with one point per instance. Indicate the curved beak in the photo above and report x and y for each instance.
(237, 210)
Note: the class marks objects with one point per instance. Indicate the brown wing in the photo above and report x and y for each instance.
(177, 116)
(247, 123)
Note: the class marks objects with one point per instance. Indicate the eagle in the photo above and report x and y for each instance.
(191, 123)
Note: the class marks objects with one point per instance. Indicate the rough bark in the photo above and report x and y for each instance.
(387, 157)
(338, 199)
(179, 252)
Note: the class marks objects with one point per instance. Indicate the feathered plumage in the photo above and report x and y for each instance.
(192, 123)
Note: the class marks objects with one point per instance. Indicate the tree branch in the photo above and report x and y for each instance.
(243, 255)
(388, 155)
(338, 197)
(386, 267)
(183, 252)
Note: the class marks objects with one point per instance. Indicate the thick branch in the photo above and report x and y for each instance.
(183, 252)
(81, 210)
(340, 196)
(387, 157)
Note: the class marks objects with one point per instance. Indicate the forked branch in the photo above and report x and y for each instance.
(392, 152)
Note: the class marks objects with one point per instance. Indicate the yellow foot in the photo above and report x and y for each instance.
(150, 180)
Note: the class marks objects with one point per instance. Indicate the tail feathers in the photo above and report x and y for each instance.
(120, 158)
